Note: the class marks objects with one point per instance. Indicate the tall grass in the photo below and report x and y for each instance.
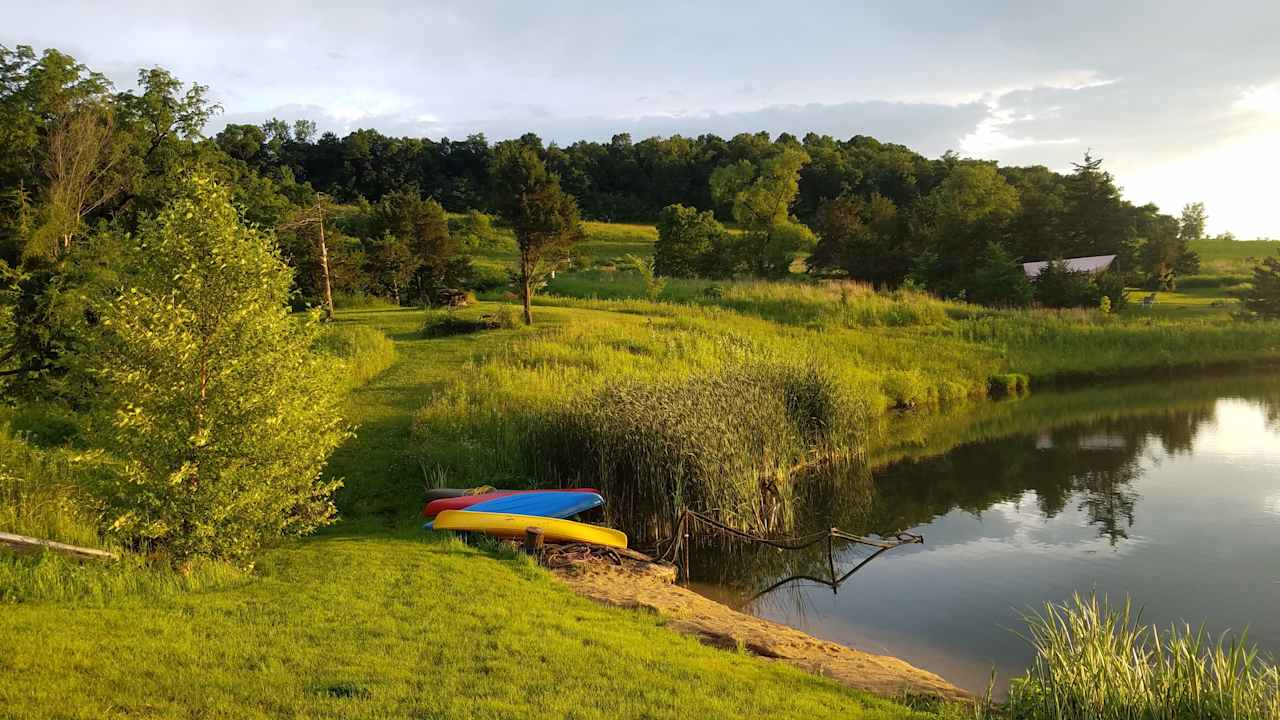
(42, 493)
(1099, 662)
(726, 443)
(362, 351)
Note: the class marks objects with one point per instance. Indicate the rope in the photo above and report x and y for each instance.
(677, 544)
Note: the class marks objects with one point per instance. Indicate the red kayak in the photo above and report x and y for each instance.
(435, 507)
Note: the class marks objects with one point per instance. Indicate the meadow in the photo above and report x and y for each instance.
(713, 396)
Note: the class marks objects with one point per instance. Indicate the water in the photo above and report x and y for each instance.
(1169, 493)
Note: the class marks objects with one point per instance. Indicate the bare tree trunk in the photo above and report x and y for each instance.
(526, 283)
(324, 266)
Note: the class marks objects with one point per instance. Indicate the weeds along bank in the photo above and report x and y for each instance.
(714, 404)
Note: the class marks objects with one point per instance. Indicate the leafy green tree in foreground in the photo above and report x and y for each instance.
(1263, 299)
(543, 217)
(220, 415)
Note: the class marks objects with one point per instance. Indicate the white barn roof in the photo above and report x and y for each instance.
(1092, 264)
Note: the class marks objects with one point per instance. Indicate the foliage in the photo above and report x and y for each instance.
(1263, 297)
(208, 395)
(689, 244)
(721, 443)
(859, 238)
(999, 280)
(474, 231)
(761, 198)
(1097, 661)
(1057, 286)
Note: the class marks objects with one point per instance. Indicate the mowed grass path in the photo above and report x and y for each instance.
(376, 619)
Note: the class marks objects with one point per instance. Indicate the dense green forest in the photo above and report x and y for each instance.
(81, 159)
(212, 345)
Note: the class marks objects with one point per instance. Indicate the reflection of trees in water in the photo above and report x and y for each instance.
(1091, 466)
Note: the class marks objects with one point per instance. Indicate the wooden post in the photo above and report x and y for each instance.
(533, 541)
(22, 543)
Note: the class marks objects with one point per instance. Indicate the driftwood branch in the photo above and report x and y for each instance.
(22, 543)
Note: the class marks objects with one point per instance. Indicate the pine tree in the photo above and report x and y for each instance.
(1263, 299)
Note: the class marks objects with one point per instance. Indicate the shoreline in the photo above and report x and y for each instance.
(634, 581)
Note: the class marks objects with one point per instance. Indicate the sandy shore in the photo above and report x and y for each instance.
(632, 580)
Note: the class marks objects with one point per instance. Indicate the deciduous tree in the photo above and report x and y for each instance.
(209, 396)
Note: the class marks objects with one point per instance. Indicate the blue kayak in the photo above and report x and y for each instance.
(550, 504)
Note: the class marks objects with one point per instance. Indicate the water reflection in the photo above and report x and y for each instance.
(1167, 492)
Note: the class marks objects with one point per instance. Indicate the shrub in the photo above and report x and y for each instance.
(1059, 287)
(209, 395)
(644, 267)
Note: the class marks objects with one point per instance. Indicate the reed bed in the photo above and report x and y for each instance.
(726, 444)
(1098, 661)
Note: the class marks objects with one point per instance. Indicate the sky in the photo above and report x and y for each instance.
(1180, 99)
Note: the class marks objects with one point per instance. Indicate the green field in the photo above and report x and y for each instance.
(374, 618)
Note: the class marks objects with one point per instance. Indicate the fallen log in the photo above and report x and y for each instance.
(22, 543)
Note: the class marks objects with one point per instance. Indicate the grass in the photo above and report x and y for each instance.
(713, 394)
(373, 618)
(387, 626)
(1096, 661)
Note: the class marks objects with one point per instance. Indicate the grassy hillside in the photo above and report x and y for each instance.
(373, 618)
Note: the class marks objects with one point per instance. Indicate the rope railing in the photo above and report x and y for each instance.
(677, 551)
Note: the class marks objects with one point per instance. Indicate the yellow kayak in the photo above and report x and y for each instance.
(553, 529)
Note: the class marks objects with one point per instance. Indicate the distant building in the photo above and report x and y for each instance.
(1092, 265)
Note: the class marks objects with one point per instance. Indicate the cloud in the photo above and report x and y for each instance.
(1015, 81)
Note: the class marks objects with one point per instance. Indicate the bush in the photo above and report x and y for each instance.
(1008, 385)
(1111, 285)
(221, 416)
(1059, 287)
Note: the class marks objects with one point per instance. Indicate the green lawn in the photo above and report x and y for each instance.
(375, 618)
(399, 625)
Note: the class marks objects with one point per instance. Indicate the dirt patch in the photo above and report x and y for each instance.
(632, 580)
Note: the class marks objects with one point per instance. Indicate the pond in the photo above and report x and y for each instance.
(1168, 493)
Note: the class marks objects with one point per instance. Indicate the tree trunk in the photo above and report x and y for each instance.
(526, 283)
(324, 266)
